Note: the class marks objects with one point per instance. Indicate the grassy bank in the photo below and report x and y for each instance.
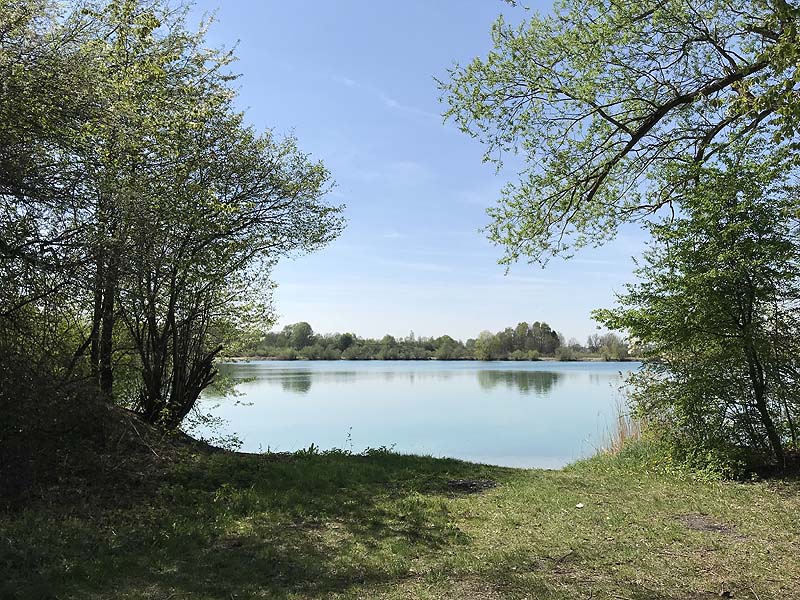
(381, 525)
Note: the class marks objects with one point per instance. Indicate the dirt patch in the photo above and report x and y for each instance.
(700, 522)
(471, 486)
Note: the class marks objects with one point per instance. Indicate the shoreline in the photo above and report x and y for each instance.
(543, 359)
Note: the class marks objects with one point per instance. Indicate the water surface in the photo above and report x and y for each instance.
(540, 414)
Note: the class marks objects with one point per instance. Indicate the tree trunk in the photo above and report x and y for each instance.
(759, 391)
(106, 345)
(97, 317)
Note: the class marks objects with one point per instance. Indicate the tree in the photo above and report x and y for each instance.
(344, 341)
(302, 335)
(47, 95)
(217, 204)
(46, 98)
(543, 338)
(521, 336)
(594, 342)
(151, 216)
(601, 95)
(613, 347)
(447, 348)
(485, 346)
(718, 311)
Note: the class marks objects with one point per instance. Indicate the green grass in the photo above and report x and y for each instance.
(390, 526)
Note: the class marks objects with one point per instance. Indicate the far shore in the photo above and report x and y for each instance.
(543, 359)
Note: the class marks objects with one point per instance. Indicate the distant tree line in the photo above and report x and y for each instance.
(523, 342)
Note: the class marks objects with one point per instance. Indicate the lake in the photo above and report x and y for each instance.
(520, 414)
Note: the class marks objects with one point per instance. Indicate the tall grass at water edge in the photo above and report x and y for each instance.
(624, 429)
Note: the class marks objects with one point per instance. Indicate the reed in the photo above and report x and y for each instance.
(625, 429)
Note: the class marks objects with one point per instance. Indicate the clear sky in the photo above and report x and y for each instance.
(354, 81)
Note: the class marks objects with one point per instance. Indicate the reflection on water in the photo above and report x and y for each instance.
(300, 378)
(543, 414)
(538, 382)
(299, 381)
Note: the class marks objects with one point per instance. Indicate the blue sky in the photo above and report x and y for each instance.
(354, 81)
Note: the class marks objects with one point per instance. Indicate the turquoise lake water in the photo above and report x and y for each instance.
(540, 414)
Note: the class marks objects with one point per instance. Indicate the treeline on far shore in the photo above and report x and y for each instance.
(523, 342)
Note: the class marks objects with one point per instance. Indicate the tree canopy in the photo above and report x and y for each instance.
(716, 313)
(599, 96)
(141, 214)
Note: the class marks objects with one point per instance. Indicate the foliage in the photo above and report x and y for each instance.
(565, 353)
(301, 335)
(46, 94)
(599, 96)
(523, 342)
(609, 346)
(716, 313)
(140, 214)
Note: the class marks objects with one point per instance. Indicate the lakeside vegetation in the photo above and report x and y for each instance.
(523, 342)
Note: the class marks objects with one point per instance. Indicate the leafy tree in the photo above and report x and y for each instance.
(302, 335)
(448, 349)
(344, 341)
(46, 98)
(612, 347)
(47, 95)
(717, 312)
(521, 335)
(601, 95)
(543, 338)
(485, 347)
(202, 204)
(565, 353)
(134, 197)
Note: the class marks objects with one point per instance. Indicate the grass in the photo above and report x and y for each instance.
(382, 525)
(626, 429)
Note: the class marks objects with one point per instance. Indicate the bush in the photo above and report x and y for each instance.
(50, 428)
(716, 307)
(565, 353)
